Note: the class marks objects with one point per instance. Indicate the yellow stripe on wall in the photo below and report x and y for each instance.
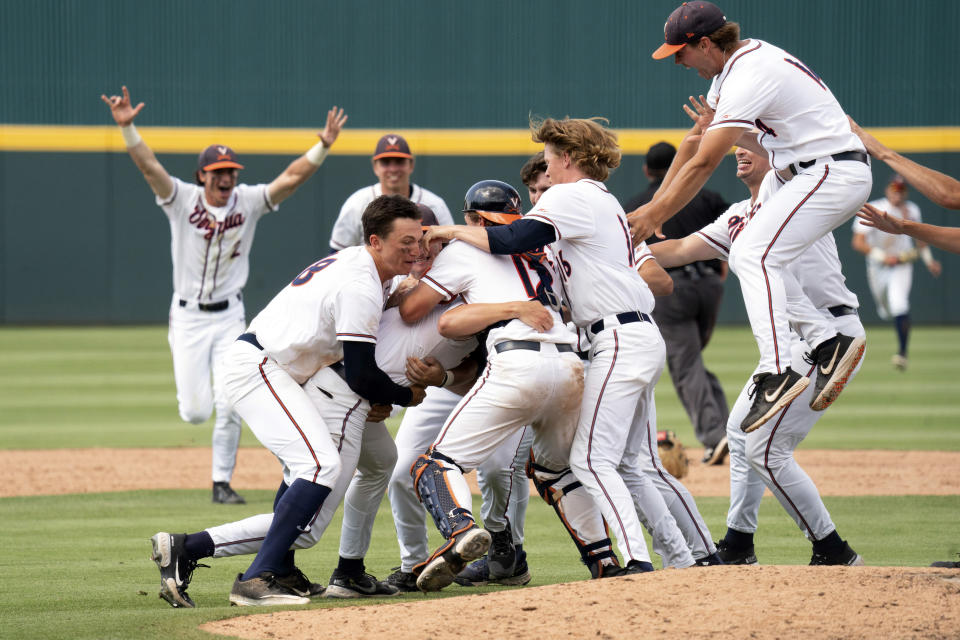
(361, 142)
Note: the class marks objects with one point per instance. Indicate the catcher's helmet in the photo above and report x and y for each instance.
(493, 200)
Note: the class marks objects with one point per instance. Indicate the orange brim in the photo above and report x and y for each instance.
(667, 50)
(498, 217)
(393, 154)
(226, 164)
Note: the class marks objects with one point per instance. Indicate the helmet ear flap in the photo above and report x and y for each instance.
(493, 200)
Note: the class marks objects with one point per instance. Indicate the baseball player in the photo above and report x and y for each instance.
(764, 457)
(329, 313)
(393, 165)
(212, 224)
(532, 377)
(687, 318)
(770, 102)
(610, 302)
(890, 263)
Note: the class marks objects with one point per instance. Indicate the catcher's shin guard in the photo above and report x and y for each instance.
(432, 473)
(579, 515)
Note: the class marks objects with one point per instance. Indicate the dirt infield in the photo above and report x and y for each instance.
(726, 602)
(59, 471)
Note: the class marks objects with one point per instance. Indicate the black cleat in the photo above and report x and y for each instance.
(223, 493)
(404, 581)
(729, 555)
(300, 584)
(772, 392)
(364, 585)
(176, 569)
(847, 556)
(263, 590)
(717, 454)
(836, 359)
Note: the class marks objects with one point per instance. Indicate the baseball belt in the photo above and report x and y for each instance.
(529, 345)
(842, 310)
(622, 318)
(211, 306)
(338, 368)
(796, 167)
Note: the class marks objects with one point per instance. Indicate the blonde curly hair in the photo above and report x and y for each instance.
(592, 147)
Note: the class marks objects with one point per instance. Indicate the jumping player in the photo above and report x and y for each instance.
(212, 224)
(329, 313)
(890, 263)
(393, 165)
(757, 86)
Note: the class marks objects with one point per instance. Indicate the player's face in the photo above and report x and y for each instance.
(558, 166)
(425, 261)
(218, 185)
(394, 174)
(536, 188)
(751, 166)
(699, 58)
(400, 249)
(896, 194)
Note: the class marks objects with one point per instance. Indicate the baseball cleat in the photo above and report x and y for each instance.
(836, 359)
(477, 574)
(772, 392)
(404, 581)
(717, 454)
(502, 557)
(223, 493)
(846, 557)
(730, 555)
(451, 559)
(636, 566)
(300, 584)
(946, 564)
(263, 590)
(899, 362)
(175, 568)
(343, 585)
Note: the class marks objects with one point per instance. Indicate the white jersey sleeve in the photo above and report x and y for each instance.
(563, 210)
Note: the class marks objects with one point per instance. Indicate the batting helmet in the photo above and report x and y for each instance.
(493, 200)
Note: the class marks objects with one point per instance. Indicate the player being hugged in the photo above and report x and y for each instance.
(212, 224)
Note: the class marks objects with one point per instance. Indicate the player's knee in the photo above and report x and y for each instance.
(195, 414)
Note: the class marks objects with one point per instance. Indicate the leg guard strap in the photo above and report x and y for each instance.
(428, 479)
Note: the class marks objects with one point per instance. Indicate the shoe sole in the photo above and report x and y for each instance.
(237, 600)
(784, 400)
(719, 455)
(344, 593)
(841, 376)
(162, 555)
(513, 581)
(439, 572)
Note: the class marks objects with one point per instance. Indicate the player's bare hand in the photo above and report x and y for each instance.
(533, 314)
(874, 147)
(336, 118)
(418, 395)
(121, 109)
(443, 233)
(873, 217)
(700, 113)
(427, 372)
(379, 412)
(935, 269)
(641, 227)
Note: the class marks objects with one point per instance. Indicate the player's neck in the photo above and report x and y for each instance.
(383, 272)
(404, 189)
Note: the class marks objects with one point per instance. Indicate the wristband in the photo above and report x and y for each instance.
(317, 153)
(130, 135)
(877, 254)
(926, 256)
(448, 379)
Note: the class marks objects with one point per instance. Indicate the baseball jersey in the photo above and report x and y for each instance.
(892, 244)
(818, 269)
(482, 277)
(210, 246)
(337, 298)
(348, 229)
(595, 253)
(762, 86)
(399, 340)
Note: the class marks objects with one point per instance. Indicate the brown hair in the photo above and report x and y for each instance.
(535, 165)
(726, 37)
(379, 215)
(592, 147)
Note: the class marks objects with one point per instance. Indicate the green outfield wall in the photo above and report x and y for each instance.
(81, 240)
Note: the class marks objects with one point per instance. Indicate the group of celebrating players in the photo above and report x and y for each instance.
(522, 344)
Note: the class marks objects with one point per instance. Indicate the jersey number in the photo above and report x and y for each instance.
(541, 291)
(806, 70)
(307, 273)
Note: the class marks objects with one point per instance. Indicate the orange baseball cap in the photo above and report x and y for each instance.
(688, 23)
(392, 146)
(218, 156)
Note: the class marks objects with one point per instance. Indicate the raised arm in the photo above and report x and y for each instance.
(946, 238)
(659, 281)
(123, 114)
(468, 319)
(676, 253)
(939, 187)
(306, 165)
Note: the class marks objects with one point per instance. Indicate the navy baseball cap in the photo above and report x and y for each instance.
(392, 146)
(688, 23)
(218, 156)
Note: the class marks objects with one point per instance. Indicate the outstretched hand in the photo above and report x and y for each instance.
(641, 227)
(336, 118)
(701, 113)
(873, 217)
(121, 109)
(874, 147)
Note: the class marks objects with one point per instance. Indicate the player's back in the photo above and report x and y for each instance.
(593, 250)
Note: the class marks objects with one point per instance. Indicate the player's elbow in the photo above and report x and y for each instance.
(449, 328)
(662, 286)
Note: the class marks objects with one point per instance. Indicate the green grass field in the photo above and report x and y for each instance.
(77, 566)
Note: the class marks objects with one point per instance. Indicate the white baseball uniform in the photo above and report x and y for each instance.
(802, 127)
(764, 458)
(890, 284)
(210, 247)
(599, 280)
(348, 229)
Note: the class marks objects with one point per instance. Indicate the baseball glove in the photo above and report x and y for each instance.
(672, 454)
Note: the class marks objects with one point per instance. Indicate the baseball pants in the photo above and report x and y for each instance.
(764, 458)
(198, 341)
(612, 431)
(890, 287)
(812, 204)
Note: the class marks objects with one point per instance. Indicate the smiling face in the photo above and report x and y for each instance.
(394, 175)
(751, 167)
(397, 252)
(218, 184)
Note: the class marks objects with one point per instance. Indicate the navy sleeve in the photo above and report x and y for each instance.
(367, 380)
(521, 236)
